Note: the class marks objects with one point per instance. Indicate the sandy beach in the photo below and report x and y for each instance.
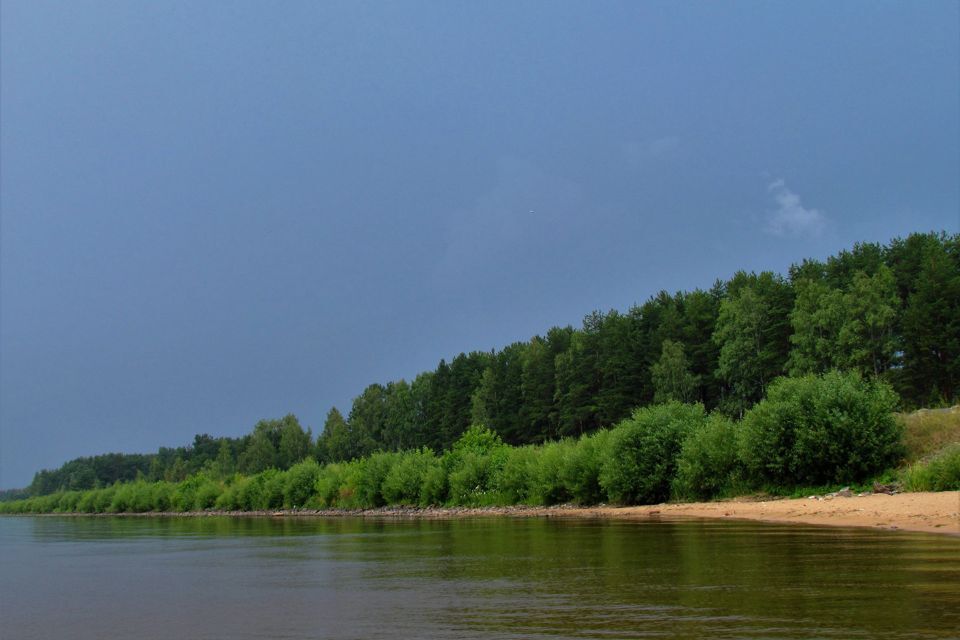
(926, 512)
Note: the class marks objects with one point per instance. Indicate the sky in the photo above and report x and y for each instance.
(217, 212)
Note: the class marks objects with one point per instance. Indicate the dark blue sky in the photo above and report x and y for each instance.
(218, 212)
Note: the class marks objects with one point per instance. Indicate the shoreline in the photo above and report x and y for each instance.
(924, 512)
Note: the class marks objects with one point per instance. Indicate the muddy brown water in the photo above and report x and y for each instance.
(473, 578)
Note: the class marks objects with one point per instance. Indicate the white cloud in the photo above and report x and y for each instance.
(791, 218)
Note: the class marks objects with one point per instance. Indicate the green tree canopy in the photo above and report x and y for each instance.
(753, 334)
(671, 375)
(339, 441)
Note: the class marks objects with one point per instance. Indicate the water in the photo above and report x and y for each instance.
(481, 578)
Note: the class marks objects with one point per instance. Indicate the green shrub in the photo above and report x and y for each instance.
(547, 486)
(337, 485)
(131, 497)
(206, 495)
(261, 492)
(229, 500)
(348, 492)
(244, 493)
(472, 480)
(161, 495)
(468, 479)
(184, 494)
(48, 503)
(68, 501)
(435, 487)
(272, 496)
(24, 506)
(643, 451)
(329, 482)
(709, 464)
(103, 498)
(472, 466)
(940, 473)
(87, 502)
(142, 496)
(818, 430)
(120, 502)
(512, 481)
(300, 483)
(404, 482)
(581, 470)
(368, 480)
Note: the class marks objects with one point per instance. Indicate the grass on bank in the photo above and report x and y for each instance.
(932, 439)
(928, 432)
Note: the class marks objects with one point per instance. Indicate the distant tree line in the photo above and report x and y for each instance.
(890, 312)
(272, 444)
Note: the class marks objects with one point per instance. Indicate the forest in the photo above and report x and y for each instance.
(887, 313)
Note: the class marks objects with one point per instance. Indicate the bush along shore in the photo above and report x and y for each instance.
(809, 432)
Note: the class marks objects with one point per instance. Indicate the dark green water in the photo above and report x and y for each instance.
(483, 578)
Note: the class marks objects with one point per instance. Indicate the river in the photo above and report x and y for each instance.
(218, 577)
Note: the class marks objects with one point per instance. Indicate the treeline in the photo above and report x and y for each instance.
(809, 431)
(890, 312)
(272, 444)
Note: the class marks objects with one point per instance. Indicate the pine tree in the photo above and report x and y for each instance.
(931, 327)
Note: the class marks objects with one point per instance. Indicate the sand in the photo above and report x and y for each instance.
(924, 512)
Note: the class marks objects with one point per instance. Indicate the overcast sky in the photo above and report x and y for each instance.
(217, 212)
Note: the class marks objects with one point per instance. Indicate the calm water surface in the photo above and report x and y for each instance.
(483, 578)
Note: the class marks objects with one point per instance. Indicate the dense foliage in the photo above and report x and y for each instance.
(643, 450)
(709, 463)
(890, 312)
(816, 430)
(809, 430)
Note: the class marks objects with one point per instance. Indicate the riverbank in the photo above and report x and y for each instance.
(926, 512)
(923, 512)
